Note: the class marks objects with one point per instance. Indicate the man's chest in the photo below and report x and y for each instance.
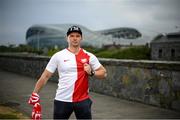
(72, 63)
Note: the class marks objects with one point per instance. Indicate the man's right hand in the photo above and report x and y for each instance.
(36, 112)
(34, 99)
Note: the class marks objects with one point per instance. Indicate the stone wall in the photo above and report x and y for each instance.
(150, 82)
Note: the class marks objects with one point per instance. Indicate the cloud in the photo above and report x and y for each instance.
(146, 15)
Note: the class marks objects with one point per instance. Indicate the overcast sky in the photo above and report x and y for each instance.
(155, 16)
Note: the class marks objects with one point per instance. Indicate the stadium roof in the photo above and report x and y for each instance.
(92, 38)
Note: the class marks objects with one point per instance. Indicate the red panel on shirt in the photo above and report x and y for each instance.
(81, 84)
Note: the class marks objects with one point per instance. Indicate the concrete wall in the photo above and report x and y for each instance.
(150, 82)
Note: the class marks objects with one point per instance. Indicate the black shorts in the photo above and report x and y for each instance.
(63, 110)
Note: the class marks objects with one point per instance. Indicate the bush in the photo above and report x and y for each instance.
(51, 52)
(136, 53)
(20, 48)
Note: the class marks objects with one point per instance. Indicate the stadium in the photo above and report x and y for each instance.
(54, 35)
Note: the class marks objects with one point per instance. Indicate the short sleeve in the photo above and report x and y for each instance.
(94, 62)
(52, 64)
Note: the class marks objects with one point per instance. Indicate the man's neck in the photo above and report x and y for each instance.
(74, 50)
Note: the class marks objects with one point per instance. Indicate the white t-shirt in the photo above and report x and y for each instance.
(73, 80)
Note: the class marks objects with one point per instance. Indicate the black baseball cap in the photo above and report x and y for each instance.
(74, 29)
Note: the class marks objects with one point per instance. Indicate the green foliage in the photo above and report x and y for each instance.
(20, 48)
(139, 52)
(133, 52)
(105, 54)
(52, 51)
(92, 49)
(8, 116)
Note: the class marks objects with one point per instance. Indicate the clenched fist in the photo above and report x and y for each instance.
(87, 68)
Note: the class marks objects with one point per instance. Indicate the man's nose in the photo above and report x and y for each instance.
(74, 38)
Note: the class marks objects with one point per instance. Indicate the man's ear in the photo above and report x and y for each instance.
(67, 39)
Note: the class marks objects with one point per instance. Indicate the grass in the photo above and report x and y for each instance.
(11, 113)
(8, 116)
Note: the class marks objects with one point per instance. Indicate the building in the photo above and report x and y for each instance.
(51, 35)
(41, 36)
(166, 47)
(124, 32)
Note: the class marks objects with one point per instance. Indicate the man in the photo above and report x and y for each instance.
(74, 65)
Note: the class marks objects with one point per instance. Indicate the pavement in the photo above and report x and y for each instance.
(15, 90)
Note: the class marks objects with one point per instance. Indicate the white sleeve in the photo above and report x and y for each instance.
(94, 62)
(52, 64)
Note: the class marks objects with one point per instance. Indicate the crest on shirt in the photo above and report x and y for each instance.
(84, 60)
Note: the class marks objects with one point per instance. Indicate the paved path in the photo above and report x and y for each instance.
(15, 90)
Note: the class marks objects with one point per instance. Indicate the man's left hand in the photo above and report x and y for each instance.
(87, 68)
(36, 112)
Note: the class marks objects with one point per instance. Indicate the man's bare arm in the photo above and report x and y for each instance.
(100, 73)
(42, 81)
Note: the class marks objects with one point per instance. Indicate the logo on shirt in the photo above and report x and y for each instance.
(84, 60)
(66, 60)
